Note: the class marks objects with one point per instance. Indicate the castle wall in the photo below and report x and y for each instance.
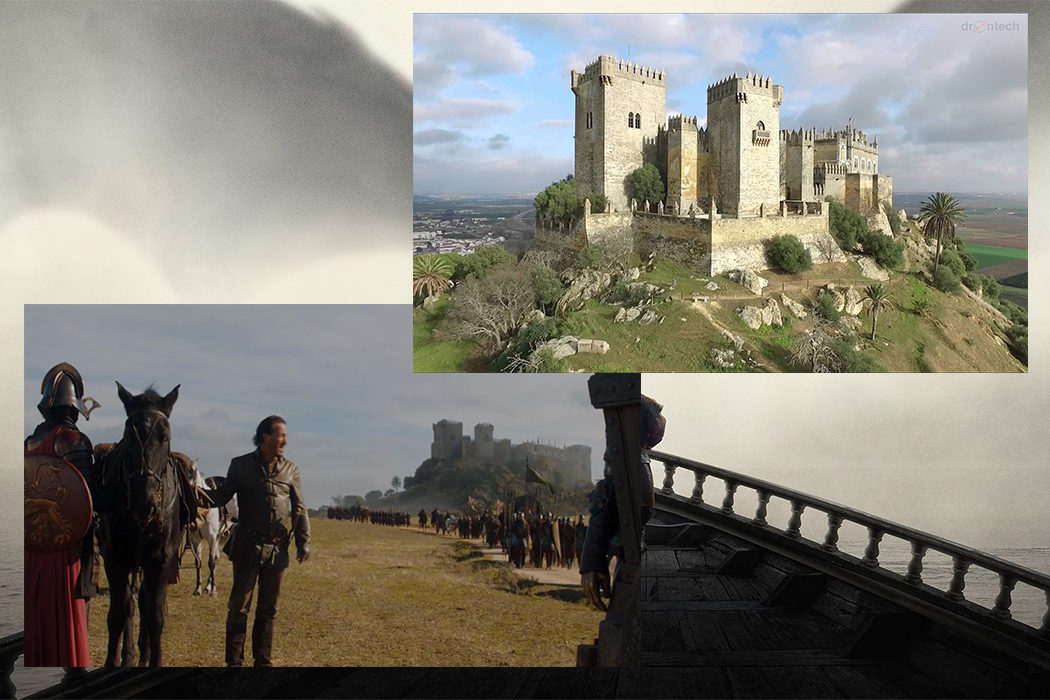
(860, 193)
(683, 239)
(739, 244)
(611, 148)
(607, 226)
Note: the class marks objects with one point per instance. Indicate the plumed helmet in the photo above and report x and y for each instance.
(63, 387)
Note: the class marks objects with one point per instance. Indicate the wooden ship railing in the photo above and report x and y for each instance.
(949, 606)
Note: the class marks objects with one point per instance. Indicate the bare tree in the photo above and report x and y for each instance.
(814, 350)
(493, 308)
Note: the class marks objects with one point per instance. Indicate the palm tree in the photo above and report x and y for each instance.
(880, 301)
(939, 215)
(430, 275)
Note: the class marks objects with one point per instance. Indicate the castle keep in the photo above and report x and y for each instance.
(733, 183)
(450, 444)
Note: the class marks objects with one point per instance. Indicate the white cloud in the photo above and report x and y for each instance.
(462, 112)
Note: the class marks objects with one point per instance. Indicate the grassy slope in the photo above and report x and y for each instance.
(379, 596)
(953, 334)
(429, 355)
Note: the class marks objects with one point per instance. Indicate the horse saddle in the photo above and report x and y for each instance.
(194, 504)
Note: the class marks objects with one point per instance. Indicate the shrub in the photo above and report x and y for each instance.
(547, 362)
(882, 248)
(951, 259)
(644, 184)
(1018, 337)
(894, 217)
(945, 279)
(787, 253)
(846, 224)
(599, 203)
(1016, 314)
(972, 281)
(484, 259)
(548, 287)
(852, 360)
(589, 256)
(826, 307)
(991, 286)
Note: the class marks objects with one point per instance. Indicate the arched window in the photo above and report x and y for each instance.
(760, 126)
(630, 120)
(638, 121)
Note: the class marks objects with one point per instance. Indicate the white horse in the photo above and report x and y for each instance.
(209, 530)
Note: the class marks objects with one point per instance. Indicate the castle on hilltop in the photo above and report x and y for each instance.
(450, 444)
(739, 179)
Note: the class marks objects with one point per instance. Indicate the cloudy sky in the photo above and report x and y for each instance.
(494, 112)
(340, 375)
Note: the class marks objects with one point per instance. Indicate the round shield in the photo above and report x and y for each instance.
(57, 504)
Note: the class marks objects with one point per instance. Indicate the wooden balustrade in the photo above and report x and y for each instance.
(919, 542)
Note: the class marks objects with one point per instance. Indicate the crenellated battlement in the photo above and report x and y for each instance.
(798, 136)
(751, 84)
(853, 136)
(678, 120)
(610, 67)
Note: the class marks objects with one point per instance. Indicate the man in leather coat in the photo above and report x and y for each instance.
(272, 511)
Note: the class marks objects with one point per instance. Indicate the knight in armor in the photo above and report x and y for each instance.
(603, 539)
(60, 489)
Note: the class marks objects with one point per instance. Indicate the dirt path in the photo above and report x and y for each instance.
(555, 575)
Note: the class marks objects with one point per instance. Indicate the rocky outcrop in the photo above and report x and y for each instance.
(736, 340)
(797, 309)
(751, 316)
(711, 286)
(723, 358)
(870, 269)
(768, 315)
(583, 285)
(560, 348)
(589, 345)
(749, 279)
(853, 302)
(771, 313)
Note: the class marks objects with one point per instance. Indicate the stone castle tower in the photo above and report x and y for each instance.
(448, 440)
(483, 446)
(620, 110)
(743, 130)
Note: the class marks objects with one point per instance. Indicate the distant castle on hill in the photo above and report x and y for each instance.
(450, 444)
(736, 182)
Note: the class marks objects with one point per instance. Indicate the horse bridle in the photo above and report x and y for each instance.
(127, 475)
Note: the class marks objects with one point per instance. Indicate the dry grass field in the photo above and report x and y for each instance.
(379, 596)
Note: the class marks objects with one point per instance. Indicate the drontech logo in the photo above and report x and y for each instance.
(984, 26)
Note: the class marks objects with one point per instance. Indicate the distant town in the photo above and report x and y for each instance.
(462, 223)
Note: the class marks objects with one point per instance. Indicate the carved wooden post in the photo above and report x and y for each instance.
(831, 540)
(1045, 629)
(871, 554)
(918, 551)
(619, 639)
(1003, 601)
(959, 568)
(698, 488)
(794, 528)
(763, 502)
(669, 469)
(727, 502)
(11, 647)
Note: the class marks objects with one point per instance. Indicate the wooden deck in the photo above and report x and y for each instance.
(735, 607)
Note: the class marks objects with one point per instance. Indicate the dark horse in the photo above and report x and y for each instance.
(141, 528)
